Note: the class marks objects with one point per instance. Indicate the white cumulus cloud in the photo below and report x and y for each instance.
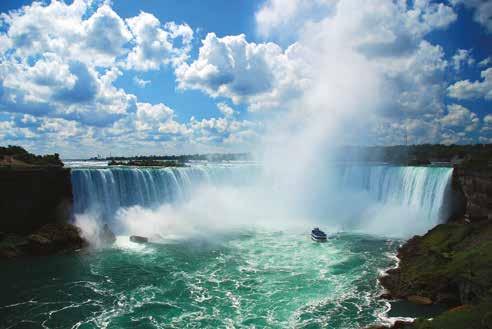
(154, 42)
(488, 119)
(482, 11)
(141, 82)
(460, 116)
(258, 74)
(466, 89)
(485, 62)
(225, 109)
(462, 57)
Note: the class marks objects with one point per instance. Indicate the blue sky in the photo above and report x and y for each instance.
(140, 77)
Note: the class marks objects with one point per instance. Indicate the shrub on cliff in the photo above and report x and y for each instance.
(467, 316)
(21, 155)
(451, 264)
(147, 163)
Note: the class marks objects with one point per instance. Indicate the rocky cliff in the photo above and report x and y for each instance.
(33, 197)
(452, 263)
(35, 208)
(476, 185)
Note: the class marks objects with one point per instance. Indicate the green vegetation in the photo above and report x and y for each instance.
(451, 264)
(467, 316)
(214, 157)
(16, 156)
(423, 154)
(147, 163)
(474, 155)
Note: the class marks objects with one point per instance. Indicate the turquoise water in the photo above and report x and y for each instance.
(251, 279)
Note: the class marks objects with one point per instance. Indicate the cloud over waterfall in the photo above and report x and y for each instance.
(262, 75)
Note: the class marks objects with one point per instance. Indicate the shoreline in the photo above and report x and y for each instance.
(433, 269)
(459, 245)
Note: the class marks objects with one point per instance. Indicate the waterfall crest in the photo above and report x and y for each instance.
(105, 190)
(419, 188)
(349, 191)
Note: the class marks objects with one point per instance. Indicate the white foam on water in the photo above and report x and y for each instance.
(123, 242)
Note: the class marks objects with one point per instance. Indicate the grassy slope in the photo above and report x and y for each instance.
(451, 262)
(466, 317)
(447, 257)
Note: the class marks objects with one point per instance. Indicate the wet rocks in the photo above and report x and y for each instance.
(419, 300)
(12, 245)
(476, 185)
(106, 236)
(50, 239)
(54, 238)
(397, 325)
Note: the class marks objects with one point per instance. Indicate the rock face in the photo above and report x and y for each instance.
(35, 208)
(106, 236)
(476, 185)
(397, 325)
(50, 239)
(53, 238)
(419, 300)
(33, 197)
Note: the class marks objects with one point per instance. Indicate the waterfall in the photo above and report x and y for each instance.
(421, 190)
(105, 190)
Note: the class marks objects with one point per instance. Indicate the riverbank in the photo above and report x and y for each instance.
(451, 265)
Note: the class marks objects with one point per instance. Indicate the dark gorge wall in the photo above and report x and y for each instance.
(475, 185)
(33, 197)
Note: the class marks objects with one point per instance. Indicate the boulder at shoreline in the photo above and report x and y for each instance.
(49, 239)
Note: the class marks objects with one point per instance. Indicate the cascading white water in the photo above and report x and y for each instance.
(420, 188)
(105, 190)
(378, 199)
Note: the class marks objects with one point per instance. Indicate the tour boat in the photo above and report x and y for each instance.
(318, 235)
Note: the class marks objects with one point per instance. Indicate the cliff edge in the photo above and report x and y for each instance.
(476, 185)
(35, 204)
(452, 263)
(33, 197)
